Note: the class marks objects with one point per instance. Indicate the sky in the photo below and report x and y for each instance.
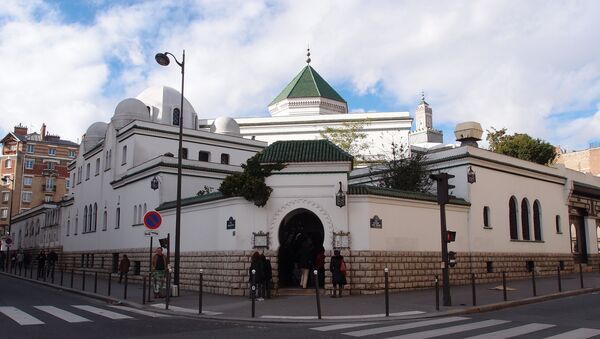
(529, 66)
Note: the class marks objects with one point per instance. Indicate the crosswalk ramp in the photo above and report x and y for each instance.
(463, 327)
(40, 315)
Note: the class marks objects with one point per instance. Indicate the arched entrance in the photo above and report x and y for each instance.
(301, 235)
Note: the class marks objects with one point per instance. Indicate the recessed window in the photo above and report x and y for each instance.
(27, 181)
(8, 163)
(525, 219)
(4, 213)
(512, 215)
(50, 165)
(97, 171)
(5, 196)
(486, 216)
(203, 156)
(184, 153)
(225, 158)
(118, 218)
(537, 220)
(124, 160)
(51, 151)
(176, 117)
(104, 220)
(558, 230)
(30, 149)
(29, 164)
(71, 154)
(87, 172)
(26, 196)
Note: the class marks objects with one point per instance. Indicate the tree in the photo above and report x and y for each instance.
(407, 172)
(521, 146)
(250, 184)
(349, 137)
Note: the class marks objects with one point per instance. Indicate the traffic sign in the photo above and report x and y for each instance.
(8, 241)
(151, 233)
(152, 220)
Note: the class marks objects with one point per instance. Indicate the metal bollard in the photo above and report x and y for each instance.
(473, 289)
(109, 283)
(52, 274)
(316, 280)
(387, 291)
(580, 276)
(95, 282)
(62, 273)
(144, 290)
(559, 280)
(125, 288)
(168, 296)
(253, 292)
(149, 286)
(72, 275)
(83, 280)
(437, 293)
(533, 282)
(504, 285)
(200, 293)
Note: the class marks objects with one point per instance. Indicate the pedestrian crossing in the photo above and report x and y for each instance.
(43, 314)
(464, 327)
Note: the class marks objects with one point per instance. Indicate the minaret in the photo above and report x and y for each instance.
(424, 132)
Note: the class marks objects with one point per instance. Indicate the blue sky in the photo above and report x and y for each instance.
(530, 66)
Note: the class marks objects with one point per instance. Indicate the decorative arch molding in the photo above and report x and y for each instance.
(310, 205)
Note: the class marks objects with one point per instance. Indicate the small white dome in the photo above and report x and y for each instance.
(129, 110)
(163, 100)
(94, 134)
(225, 125)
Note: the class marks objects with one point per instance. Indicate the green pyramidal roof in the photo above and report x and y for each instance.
(308, 83)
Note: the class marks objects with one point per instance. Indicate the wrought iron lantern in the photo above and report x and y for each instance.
(154, 183)
(340, 197)
(471, 178)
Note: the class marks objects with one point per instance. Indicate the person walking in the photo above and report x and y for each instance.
(305, 261)
(268, 276)
(337, 267)
(320, 266)
(52, 260)
(159, 267)
(41, 261)
(123, 267)
(20, 257)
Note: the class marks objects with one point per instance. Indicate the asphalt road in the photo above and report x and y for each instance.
(29, 310)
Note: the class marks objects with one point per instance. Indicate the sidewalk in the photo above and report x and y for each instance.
(407, 304)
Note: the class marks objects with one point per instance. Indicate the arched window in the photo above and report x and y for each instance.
(176, 117)
(558, 230)
(124, 159)
(68, 226)
(104, 220)
(525, 219)
(486, 216)
(95, 216)
(139, 218)
(85, 219)
(134, 214)
(537, 221)
(145, 210)
(90, 215)
(512, 211)
(76, 224)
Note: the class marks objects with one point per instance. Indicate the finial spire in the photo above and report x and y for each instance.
(308, 55)
(423, 98)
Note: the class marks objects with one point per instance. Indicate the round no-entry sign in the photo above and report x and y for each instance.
(152, 220)
(8, 241)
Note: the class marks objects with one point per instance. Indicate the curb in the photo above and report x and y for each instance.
(437, 314)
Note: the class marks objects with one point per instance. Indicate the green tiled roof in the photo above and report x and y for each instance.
(388, 192)
(303, 151)
(191, 200)
(308, 84)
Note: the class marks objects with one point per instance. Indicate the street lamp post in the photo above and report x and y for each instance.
(163, 60)
(6, 180)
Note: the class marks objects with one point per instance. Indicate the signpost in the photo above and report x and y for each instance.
(152, 221)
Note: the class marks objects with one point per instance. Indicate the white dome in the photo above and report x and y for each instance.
(129, 110)
(225, 125)
(94, 134)
(163, 101)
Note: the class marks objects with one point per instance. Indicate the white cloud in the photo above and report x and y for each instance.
(513, 64)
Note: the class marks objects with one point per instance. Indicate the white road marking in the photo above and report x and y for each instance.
(62, 314)
(19, 316)
(341, 317)
(576, 334)
(451, 330)
(385, 329)
(102, 312)
(340, 326)
(513, 332)
(142, 312)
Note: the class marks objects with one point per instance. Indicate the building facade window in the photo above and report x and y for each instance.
(176, 117)
(5, 196)
(558, 228)
(26, 196)
(30, 149)
(50, 165)
(8, 163)
(525, 219)
(76, 225)
(49, 184)
(118, 218)
(87, 171)
(85, 219)
(67, 182)
(71, 154)
(48, 198)
(204, 156)
(4, 213)
(124, 160)
(29, 164)
(95, 220)
(134, 214)
(97, 171)
(51, 151)
(184, 153)
(225, 158)
(486, 216)
(512, 217)
(104, 220)
(537, 221)
(79, 175)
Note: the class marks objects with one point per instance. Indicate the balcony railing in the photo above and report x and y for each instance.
(48, 188)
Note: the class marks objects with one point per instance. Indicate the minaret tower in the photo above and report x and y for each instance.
(423, 115)
(424, 132)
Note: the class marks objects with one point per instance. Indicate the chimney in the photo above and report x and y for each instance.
(468, 133)
(43, 132)
(20, 130)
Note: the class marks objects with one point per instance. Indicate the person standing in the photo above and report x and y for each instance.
(20, 257)
(159, 267)
(52, 260)
(123, 267)
(41, 261)
(305, 261)
(268, 276)
(337, 267)
(320, 266)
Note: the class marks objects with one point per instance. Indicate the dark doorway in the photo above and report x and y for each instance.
(578, 237)
(301, 235)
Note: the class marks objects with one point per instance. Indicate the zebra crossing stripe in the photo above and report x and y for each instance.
(385, 329)
(62, 314)
(576, 334)
(340, 326)
(142, 312)
(513, 332)
(102, 312)
(19, 316)
(451, 329)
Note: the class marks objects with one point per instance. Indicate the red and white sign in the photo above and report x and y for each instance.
(152, 220)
